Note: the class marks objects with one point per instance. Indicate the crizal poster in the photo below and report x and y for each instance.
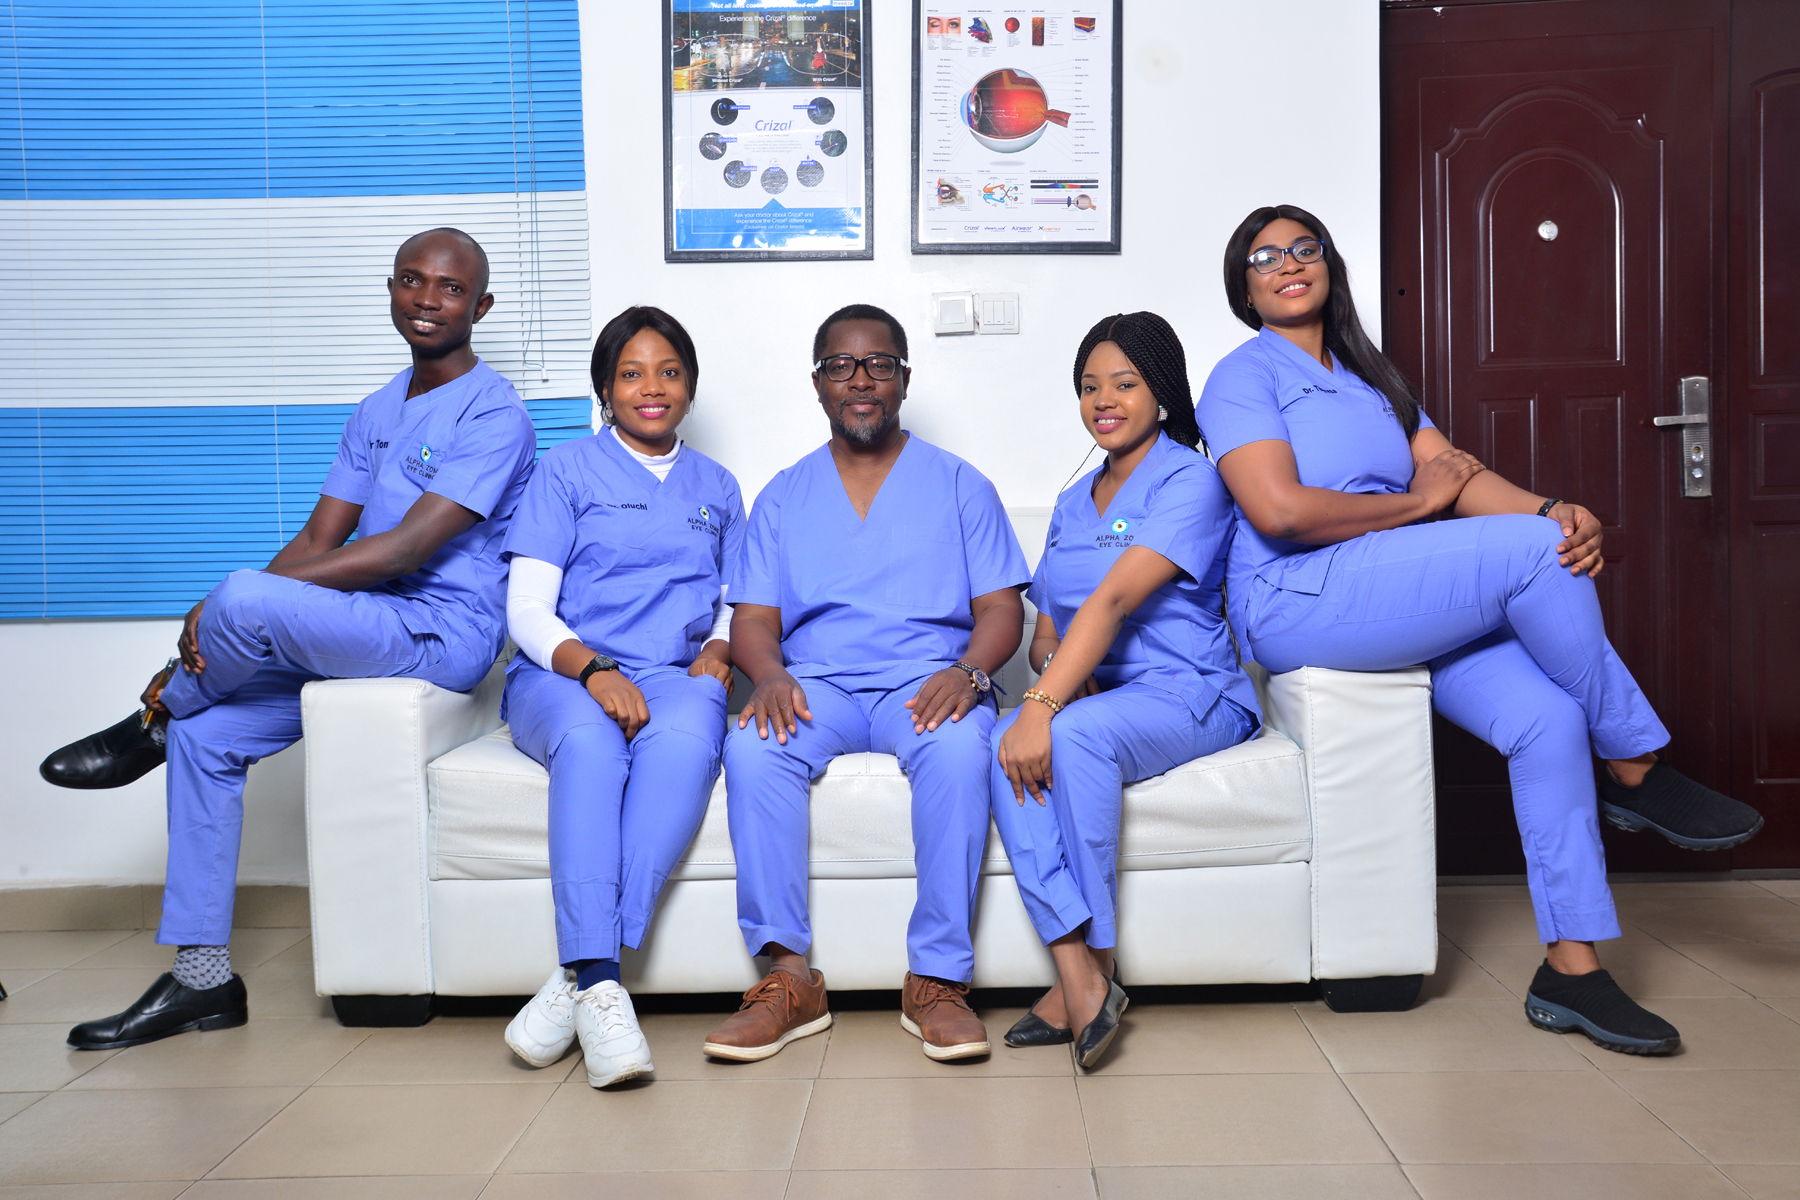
(1016, 127)
(766, 129)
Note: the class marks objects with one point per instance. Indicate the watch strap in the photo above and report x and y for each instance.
(600, 663)
(1544, 509)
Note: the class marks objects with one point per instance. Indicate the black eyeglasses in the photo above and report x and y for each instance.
(840, 367)
(1269, 258)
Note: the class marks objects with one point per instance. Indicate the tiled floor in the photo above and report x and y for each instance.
(1457, 1098)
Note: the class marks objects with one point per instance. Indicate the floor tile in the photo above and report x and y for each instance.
(641, 1185)
(684, 1125)
(399, 1129)
(1646, 970)
(1762, 969)
(71, 996)
(1789, 1006)
(284, 990)
(1765, 1183)
(871, 1045)
(297, 955)
(1185, 1039)
(1360, 1182)
(1724, 1035)
(38, 1058)
(249, 948)
(268, 1052)
(1788, 889)
(675, 1040)
(1447, 1035)
(19, 979)
(1599, 1181)
(951, 1123)
(1488, 923)
(177, 1133)
(386, 1187)
(14, 1103)
(1731, 1116)
(56, 948)
(1070, 1184)
(1460, 977)
(1757, 919)
(80, 907)
(1628, 893)
(448, 1050)
(1175, 1120)
(1494, 1117)
(94, 1191)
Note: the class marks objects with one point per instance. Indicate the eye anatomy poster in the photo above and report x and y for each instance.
(1016, 122)
(766, 130)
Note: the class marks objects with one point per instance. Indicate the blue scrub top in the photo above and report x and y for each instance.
(1343, 432)
(1175, 504)
(883, 601)
(642, 560)
(470, 441)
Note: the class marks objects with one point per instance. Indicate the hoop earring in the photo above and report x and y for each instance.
(606, 414)
(1162, 414)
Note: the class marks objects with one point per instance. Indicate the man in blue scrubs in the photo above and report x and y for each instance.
(880, 586)
(428, 473)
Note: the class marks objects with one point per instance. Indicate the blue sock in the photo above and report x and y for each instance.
(589, 971)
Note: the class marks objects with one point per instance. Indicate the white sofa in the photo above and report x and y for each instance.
(1306, 853)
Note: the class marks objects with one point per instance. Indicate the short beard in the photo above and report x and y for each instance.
(865, 437)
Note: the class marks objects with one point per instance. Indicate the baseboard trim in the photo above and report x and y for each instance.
(138, 906)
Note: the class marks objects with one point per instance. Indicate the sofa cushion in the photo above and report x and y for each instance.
(1243, 806)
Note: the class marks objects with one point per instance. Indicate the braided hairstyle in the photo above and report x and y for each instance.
(1154, 350)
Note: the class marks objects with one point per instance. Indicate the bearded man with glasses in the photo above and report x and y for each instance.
(880, 585)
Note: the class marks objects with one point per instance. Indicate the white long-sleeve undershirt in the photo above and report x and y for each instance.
(533, 586)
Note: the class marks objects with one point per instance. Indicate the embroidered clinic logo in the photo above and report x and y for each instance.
(424, 452)
(420, 462)
(704, 522)
(1121, 525)
(705, 513)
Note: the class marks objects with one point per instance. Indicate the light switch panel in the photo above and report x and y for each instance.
(997, 312)
(952, 312)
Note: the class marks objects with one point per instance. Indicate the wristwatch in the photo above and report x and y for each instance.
(600, 663)
(978, 678)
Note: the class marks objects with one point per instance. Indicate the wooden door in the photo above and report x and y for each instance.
(1555, 258)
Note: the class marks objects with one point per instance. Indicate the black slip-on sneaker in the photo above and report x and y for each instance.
(1597, 1006)
(1690, 814)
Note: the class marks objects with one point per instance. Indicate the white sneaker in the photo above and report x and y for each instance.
(545, 1028)
(611, 1041)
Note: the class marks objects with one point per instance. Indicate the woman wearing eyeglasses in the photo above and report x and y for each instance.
(1138, 672)
(1335, 468)
(620, 553)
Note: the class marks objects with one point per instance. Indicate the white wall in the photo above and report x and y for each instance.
(1213, 128)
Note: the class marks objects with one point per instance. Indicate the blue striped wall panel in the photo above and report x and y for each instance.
(138, 512)
(236, 98)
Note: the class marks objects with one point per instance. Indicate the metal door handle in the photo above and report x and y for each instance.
(1694, 447)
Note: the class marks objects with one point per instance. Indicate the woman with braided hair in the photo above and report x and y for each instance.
(1138, 674)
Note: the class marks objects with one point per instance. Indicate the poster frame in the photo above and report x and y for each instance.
(671, 254)
(1112, 246)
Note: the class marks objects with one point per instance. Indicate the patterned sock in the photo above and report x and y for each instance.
(589, 971)
(202, 967)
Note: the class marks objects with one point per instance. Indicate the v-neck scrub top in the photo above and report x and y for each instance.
(470, 441)
(882, 601)
(642, 560)
(1344, 434)
(1175, 504)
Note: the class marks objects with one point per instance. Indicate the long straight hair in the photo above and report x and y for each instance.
(1344, 335)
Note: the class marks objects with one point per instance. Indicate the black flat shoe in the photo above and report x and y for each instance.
(1690, 814)
(167, 1008)
(111, 758)
(1032, 1030)
(1598, 1007)
(1091, 1046)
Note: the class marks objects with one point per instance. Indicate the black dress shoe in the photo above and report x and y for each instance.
(1032, 1030)
(1690, 814)
(1091, 1046)
(111, 758)
(167, 1008)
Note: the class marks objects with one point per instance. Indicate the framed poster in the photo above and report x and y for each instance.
(1016, 127)
(766, 130)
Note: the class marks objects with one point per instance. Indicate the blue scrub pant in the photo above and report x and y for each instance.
(1065, 853)
(1518, 657)
(621, 813)
(767, 788)
(263, 638)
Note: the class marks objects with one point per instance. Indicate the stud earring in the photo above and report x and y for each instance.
(1162, 414)
(606, 413)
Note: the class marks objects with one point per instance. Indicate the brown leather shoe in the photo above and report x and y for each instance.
(938, 1014)
(780, 1009)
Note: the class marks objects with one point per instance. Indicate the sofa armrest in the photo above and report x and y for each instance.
(368, 742)
(1367, 739)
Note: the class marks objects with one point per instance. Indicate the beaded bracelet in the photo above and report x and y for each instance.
(1045, 698)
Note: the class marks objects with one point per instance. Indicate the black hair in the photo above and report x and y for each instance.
(1155, 351)
(481, 258)
(627, 325)
(1344, 336)
(859, 312)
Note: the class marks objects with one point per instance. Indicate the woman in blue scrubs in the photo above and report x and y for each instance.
(1138, 674)
(1334, 466)
(621, 553)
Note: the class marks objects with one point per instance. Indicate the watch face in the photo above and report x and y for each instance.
(982, 682)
